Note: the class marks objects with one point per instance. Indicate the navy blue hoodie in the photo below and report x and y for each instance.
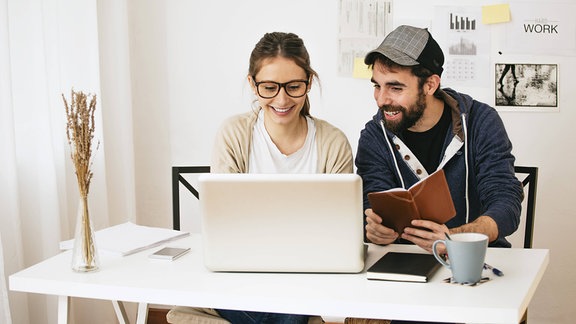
(477, 132)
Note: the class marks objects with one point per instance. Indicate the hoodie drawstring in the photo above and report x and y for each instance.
(393, 156)
(465, 128)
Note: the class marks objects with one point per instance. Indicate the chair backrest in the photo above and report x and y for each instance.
(527, 175)
(177, 179)
(529, 178)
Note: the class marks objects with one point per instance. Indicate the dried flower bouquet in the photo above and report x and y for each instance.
(80, 134)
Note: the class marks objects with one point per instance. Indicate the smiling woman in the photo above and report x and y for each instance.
(278, 136)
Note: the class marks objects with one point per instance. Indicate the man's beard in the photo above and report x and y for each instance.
(410, 116)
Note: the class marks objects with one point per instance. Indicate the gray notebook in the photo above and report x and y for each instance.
(282, 222)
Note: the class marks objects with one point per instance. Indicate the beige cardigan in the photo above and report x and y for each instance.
(234, 140)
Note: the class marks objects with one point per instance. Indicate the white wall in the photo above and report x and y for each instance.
(189, 63)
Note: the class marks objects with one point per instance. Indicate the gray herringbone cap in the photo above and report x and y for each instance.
(409, 46)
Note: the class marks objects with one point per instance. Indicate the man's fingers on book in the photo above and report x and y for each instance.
(424, 223)
(372, 216)
(379, 239)
(380, 235)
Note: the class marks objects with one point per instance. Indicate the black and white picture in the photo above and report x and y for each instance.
(527, 85)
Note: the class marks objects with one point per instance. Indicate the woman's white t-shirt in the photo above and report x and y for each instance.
(265, 157)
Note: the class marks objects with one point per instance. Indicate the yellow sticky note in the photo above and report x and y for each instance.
(494, 14)
(361, 70)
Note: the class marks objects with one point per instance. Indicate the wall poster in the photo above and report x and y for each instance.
(526, 85)
(466, 45)
(363, 24)
(542, 28)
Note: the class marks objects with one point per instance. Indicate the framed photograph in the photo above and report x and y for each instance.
(526, 86)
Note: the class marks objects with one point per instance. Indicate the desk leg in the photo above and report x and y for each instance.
(120, 312)
(63, 303)
(142, 316)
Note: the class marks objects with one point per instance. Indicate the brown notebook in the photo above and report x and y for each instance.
(427, 199)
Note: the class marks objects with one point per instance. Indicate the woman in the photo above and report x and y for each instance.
(279, 136)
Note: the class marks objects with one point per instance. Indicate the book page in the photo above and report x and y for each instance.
(128, 238)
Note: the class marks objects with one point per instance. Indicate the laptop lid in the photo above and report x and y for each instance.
(282, 222)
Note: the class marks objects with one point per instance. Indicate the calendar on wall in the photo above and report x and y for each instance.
(459, 69)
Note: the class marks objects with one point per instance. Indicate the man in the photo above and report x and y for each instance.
(420, 128)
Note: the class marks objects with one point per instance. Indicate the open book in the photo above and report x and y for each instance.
(427, 199)
(128, 238)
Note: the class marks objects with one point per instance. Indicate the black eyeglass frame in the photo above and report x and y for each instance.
(280, 86)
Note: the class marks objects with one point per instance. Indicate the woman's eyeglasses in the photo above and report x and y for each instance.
(270, 89)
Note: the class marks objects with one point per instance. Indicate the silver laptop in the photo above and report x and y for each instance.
(282, 222)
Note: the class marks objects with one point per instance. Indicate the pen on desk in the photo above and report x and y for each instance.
(494, 270)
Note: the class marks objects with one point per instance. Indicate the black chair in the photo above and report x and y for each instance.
(529, 182)
(178, 179)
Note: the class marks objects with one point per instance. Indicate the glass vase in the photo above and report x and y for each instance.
(85, 254)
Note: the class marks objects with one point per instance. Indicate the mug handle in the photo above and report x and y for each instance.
(437, 256)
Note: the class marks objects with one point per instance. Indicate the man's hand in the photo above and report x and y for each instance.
(375, 231)
(425, 238)
(426, 234)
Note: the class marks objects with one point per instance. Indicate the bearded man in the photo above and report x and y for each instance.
(420, 128)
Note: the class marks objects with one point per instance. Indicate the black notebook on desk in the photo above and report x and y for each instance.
(404, 266)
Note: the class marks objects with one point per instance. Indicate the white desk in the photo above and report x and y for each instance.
(186, 282)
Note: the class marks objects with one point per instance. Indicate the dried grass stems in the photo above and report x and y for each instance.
(80, 133)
